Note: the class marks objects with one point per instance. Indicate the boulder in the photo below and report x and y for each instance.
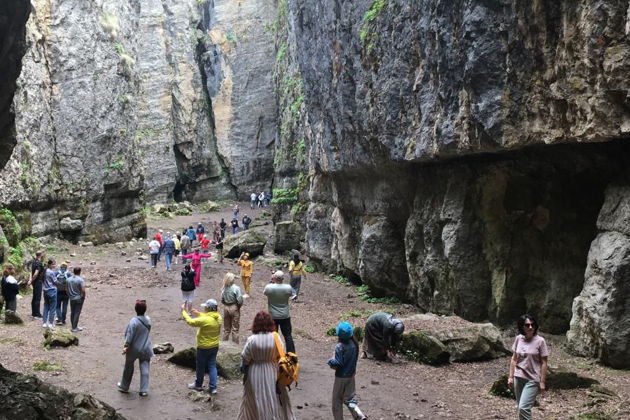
(70, 225)
(556, 379)
(500, 388)
(246, 241)
(288, 236)
(11, 317)
(422, 347)
(163, 348)
(60, 337)
(209, 206)
(477, 342)
(229, 360)
(27, 397)
(185, 358)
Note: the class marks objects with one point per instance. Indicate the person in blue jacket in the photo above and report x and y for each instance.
(345, 365)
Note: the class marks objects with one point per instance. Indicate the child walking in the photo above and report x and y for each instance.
(345, 365)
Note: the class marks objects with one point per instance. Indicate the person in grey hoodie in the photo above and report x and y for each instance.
(137, 347)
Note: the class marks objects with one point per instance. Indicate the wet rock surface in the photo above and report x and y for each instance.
(60, 337)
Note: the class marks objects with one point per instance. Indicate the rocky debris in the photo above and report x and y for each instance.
(163, 348)
(27, 397)
(59, 337)
(288, 236)
(422, 347)
(202, 397)
(209, 206)
(245, 241)
(86, 244)
(143, 257)
(229, 360)
(11, 317)
(600, 326)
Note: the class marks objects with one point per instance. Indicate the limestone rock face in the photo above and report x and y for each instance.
(288, 236)
(600, 326)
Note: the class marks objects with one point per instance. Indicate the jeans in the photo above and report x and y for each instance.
(296, 282)
(75, 312)
(285, 327)
(154, 260)
(128, 373)
(234, 229)
(207, 362)
(37, 298)
(526, 391)
(168, 258)
(62, 306)
(50, 305)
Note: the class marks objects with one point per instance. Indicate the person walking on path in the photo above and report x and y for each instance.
(296, 273)
(169, 251)
(10, 288)
(50, 295)
(62, 293)
(528, 365)
(191, 234)
(158, 237)
(188, 287)
(219, 247)
(196, 263)
(154, 251)
(137, 346)
(232, 300)
(252, 200)
(200, 231)
(77, 295)
(262, 398)
(178, 246)
(268, 198)
(204, 244)
(261, 199)
(234, 224)
(236, 210)
(38, 273)
(278, 295)
(208, 326)
(216, 232)
(222, 227)
(246, 221)
(345, 364)
(382, 333)
(247, 269)
(185, 248)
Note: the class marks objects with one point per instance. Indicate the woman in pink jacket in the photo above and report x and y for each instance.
(196, 263)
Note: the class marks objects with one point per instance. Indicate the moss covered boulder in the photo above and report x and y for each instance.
(473, 343)
(229, 360)
(186, 358)
(556, 379)
(245, 241)
(11, 317)
(60, 337)
(421, 347)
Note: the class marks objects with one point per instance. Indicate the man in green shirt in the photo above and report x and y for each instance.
(278, 295)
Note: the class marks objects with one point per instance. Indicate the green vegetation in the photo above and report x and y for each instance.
(282, 52)
(284, 195)
(355, 314)
(366, 296)
(365, 35)
(230, 38)
(297, 209)
(339, 279)
(110, 23)
(119, 48)
(10, 226)
(309, 269)
(47, 366)
(200, 2)
(118, 164)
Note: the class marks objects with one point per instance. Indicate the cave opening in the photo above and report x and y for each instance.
(179, 192)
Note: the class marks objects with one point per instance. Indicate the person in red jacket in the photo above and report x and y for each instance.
(196, 264)
(158, 237)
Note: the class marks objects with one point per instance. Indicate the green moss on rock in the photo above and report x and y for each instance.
(422, 347)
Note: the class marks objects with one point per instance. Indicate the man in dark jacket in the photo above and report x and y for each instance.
(246, 221)
(38, 272)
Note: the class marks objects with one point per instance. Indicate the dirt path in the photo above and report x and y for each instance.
(405, 391)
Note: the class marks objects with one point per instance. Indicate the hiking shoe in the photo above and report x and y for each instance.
(77, 329)
(195, 387)
(214, 391)
(121, 389)
(142, 394)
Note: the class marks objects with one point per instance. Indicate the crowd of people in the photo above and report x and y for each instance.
(259, 199)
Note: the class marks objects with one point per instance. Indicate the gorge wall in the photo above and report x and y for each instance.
(459, 155)
(114, 110)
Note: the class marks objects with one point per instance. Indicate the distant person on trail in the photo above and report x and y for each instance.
(246, 221)
(169, 251)
(38, 273)
(252, 200)
(262, 397)
(204, 243)
(261, 199)
(345, 364)
(208, 328)
(185, 245)
(191, 234)
(296, 273)
(219, 247)
(216, 231)
(232, 300)
(222, 227)
(77, 294)
(268, 197)
(200, 231)
(235, 210)
(154, 251)
(188, 287)
(62, 293)
(137, 346)
(234, 224)
(528, 366)
(50, 295)
(178, 246)
(278, 304)
(382, 333)
(196, 264)
(10, 288)
(158, 237)
(247, 269)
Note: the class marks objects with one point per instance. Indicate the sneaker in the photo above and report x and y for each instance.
(214, 391)
(45, 325)
(77, 329)
(195, 387)
(59, 322)
(142, 394)
(245, 295)
(121, 389)
(37, 317)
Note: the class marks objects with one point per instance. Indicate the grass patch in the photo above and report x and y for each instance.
(11, 341)
(339, 279)
(365, 295)
(309, 269)
(355, 313)
(47, 366)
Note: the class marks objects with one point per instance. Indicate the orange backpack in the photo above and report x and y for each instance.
(288, 366)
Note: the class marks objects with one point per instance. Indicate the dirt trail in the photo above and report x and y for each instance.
(405, 391)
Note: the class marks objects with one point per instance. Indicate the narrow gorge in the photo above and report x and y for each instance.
(469, 158)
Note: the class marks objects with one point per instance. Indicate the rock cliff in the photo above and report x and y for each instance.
(446, 148)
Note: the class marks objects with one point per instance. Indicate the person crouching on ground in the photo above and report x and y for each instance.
(345, 365)
(137, 347)
(247, 269)
(208, 326)
(382, 333)
(188, 287)
(528, 366)
(232, 299)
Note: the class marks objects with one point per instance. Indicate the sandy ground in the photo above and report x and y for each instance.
(404, 391)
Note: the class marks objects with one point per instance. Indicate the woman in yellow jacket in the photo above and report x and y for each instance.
(247, 268)
(208, 326)
(297, 273)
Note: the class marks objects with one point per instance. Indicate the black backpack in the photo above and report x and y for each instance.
(188, 281)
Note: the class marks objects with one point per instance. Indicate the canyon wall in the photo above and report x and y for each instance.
(459, 153)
